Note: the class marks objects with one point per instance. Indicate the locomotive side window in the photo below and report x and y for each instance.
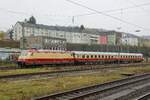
(87, 56)
(83, 56)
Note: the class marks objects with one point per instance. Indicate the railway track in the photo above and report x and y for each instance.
(144, 97)
(66, 72)
(125, 89)
(76, 66)
(9, 67)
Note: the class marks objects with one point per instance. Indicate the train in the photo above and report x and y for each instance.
(48, 57)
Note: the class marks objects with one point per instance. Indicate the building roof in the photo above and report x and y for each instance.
(65, 28)
(129, 35)
(77, 29)
(45, 37)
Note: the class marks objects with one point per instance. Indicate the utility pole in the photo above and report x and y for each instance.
(73, 20)
(23, 37)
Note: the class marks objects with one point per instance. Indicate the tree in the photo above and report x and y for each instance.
(2, 34)
(32, 20)
(11, 34)
(82, 27)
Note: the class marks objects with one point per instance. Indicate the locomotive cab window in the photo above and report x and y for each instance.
(31, 54)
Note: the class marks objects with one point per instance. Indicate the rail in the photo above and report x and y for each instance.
(88, 92)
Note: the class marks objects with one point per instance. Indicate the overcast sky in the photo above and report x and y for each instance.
(60, 12)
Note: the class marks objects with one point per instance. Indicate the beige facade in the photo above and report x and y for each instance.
(43, 42)
(144, 42)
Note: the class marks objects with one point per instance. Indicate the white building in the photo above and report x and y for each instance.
(71, 34)
(128, 39)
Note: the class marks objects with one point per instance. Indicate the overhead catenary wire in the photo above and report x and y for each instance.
(115, 10)
(141, 7)
(29, 14)
(106, 11)
(105, 14)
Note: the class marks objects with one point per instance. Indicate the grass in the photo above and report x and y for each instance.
(24, 71)
(7, 64)
(25, 89)
(32, 70)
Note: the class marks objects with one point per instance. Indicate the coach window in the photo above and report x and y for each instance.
(91, 56)
(95, 56)
(99, 56)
